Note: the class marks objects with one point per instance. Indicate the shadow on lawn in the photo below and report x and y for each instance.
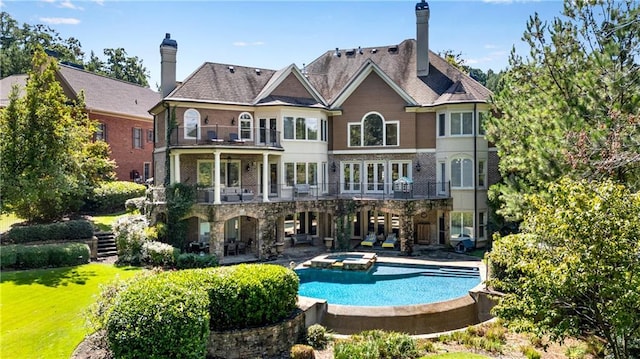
(53, 277)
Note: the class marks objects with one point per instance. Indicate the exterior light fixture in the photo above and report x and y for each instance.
(418, 167)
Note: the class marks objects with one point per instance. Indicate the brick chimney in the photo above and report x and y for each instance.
(168, 50)
(422, 38)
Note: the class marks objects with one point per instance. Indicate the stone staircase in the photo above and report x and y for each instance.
(106, 244)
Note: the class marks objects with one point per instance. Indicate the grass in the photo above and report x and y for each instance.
(104, 222)
(42, 312)
(8, 220)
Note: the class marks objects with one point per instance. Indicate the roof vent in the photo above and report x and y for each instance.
(373, 51)
(337, 53)
(393, 49)
(350, 52)
(258, 71)
(231, 69)
(360, 50)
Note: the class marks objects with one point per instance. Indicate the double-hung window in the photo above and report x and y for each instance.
(246, 126)
(137, 137)
(461, 173)
(461, 123)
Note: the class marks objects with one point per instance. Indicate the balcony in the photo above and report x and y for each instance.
(312, 192)
(217, 135)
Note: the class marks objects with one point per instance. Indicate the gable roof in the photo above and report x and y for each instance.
(6, 85)
(109, 95)
(222, 83)
(265, 96)
(330, 74)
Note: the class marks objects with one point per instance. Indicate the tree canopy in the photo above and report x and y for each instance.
(570, 107)
(573, 271)
(48, 160)
(18, 43)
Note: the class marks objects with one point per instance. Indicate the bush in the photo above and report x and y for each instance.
(158, 254)
(69, 230)
(44, 255)
(110, 197)
(8, 256)
(160, 317)
(130, 232)
(317, 336)
(377, 344)
(251, 295)
(530, 352)
(192, 260)
(301, 351)
(134, 205)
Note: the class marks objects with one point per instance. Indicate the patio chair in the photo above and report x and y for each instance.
(391, 241)
(213, 136)
(233, 137)
(370, 240)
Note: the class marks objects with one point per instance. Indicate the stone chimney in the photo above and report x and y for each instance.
(168, 50)
(422, 38)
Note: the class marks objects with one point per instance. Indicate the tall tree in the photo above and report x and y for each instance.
(570, 107)
(573, 271)
(43, 139)
(130, 69)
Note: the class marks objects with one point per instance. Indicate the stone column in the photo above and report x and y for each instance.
(216, 243)
(176, 168)
(406, 233)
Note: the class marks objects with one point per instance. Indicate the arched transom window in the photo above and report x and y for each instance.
(373, 130)
(191, 124)
(246, 126)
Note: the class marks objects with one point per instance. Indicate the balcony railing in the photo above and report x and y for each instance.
(213, 135)
(302, 192)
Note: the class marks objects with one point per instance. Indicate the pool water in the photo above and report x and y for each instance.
(388, 284)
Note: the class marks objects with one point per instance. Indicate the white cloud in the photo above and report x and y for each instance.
(243, 43)
(67, 4)
(60, 20)
(99, 2)
(490, 46)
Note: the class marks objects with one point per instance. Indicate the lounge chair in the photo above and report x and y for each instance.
(233, 137)
(369, 241)
(213, 136)
(390, 242)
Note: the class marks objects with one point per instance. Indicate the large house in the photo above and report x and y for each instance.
(384, 140)
(119, 107)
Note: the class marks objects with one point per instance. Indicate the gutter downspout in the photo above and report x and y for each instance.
(475, 175)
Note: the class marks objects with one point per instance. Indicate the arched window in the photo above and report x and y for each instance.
(373, 130)
(191, 124)
(461, 173)
(245, 124)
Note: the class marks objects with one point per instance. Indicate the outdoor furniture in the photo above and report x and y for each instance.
(370, 240)
(391, 241)
(233, 137)
(213, 136)
(302, 188)
(301, 239)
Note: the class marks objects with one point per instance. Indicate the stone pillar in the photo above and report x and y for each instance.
(406, 233)
(176, 168)
(216, 178)
(216, 242)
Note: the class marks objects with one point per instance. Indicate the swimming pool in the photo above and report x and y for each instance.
(388, 284)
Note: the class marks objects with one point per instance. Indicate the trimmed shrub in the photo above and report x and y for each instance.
(134, 204)
(8, 256)
(158, 254)
(44, 255)
(69, 230)
(130, 232)
(110, 197)
(317, 336)
(193, 260)
(251, 295)
(159, 317)
(301, 351)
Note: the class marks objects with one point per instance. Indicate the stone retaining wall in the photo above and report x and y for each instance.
(274, 341)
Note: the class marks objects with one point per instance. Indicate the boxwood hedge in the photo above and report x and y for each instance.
(45, 255)
(110, 197)
(170, 314)
(68, 230)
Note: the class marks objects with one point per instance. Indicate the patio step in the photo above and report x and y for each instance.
(106, 244)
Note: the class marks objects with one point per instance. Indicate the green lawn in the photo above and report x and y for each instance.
(104, 222)
(7, 220)
(42, 312)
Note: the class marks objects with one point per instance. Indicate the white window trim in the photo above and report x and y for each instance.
(184, 122)
(250, 120)
(461, 124)
(462, 186)
(384, 131)
(438, 129)
(484, 172)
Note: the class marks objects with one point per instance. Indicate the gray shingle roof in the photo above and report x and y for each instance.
(223, 83)
(7, 83)
(329, 74)
(110, 95)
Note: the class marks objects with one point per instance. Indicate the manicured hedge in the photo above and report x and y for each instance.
(193, 260)
(45, 255)
(110, 197)
(69, 230)
(158, 317)
(170, 314)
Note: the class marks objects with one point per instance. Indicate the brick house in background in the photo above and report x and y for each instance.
(384, 141)
(119, 107)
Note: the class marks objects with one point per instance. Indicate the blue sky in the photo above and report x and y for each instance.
(275, 34)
